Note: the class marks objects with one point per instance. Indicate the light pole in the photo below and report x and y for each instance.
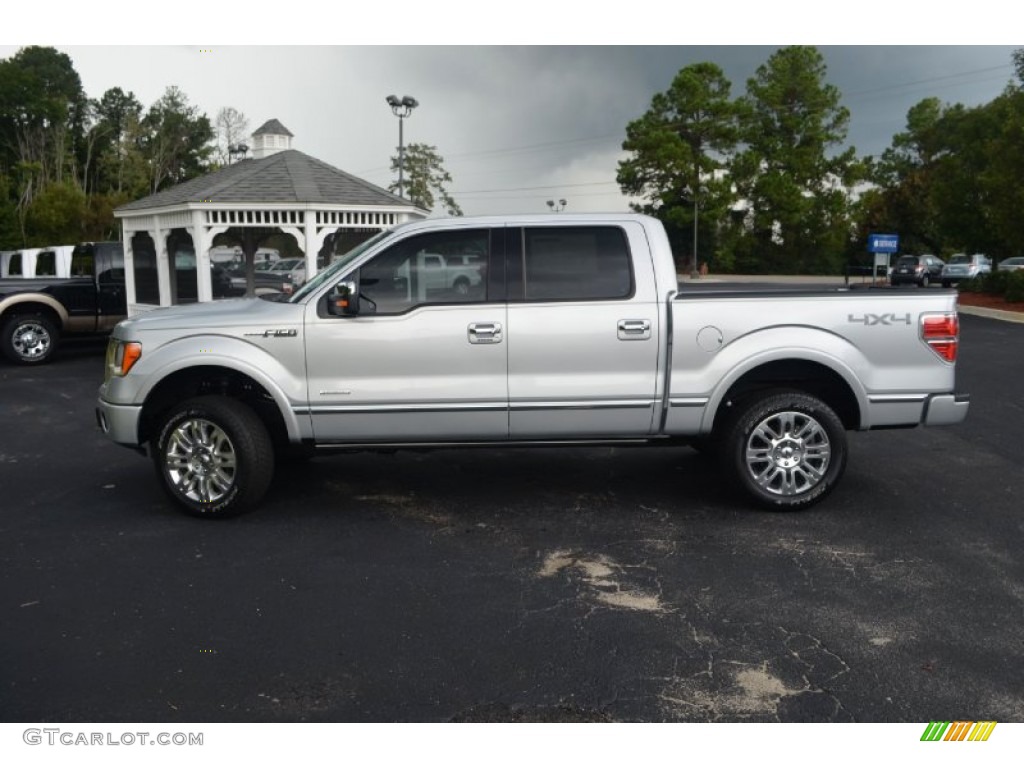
(695, 270)
(402, 108)
(557, 207)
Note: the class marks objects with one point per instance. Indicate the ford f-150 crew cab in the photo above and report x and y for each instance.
(577, 333)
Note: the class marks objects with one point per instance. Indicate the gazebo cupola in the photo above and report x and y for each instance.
(270, 138)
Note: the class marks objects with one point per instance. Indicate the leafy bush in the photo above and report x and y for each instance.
(974, 285)
(994, 283)
(1014, 285)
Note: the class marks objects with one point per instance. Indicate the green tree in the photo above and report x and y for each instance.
(176, 140)
(10, 228)
(425, 176)
(677, 150)
(1002, 174)
(56, 215)
(795, 185)
(41, 115)
(111, 141)
(906, 175)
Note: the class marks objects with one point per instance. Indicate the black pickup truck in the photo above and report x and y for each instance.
(35, 313)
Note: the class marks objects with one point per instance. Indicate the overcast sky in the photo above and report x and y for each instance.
(517, 125)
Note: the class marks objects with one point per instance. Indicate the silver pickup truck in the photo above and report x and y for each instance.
(576, 332)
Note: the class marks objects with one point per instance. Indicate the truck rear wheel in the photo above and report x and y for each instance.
(214, 456)
(29, 339)
(788, 449)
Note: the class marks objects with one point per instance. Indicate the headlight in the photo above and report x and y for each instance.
(121, 356)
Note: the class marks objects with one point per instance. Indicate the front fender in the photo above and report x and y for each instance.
(282, 374)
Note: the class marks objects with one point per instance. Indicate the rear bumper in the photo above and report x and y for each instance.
(941, 410)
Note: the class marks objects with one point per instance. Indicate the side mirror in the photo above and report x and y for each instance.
(343, 301)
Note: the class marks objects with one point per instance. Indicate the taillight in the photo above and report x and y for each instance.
(941, 332)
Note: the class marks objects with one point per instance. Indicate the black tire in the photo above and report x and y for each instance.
(946, 284)
(926, 281)
(787, 449)
(461, 286)
(213, 456)
(29, 339)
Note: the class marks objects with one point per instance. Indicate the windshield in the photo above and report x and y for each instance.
(336, 268)
(960, 259)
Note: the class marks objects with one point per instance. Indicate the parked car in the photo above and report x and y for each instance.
(964, 267)
(920, 270)
(187, 288)
(1011, 265)
(264, 283)
(294, 270)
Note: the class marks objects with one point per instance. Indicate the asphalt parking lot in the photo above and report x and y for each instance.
(627, 584)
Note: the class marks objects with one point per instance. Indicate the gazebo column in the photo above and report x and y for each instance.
(163, 269)
(311, 247)
(321, 238)
(129, 266)
(201, 245)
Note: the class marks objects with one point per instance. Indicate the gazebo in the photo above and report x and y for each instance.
(168, 236)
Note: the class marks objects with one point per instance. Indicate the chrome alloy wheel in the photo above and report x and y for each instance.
(788, 453)
(200, 460)
(31, 340)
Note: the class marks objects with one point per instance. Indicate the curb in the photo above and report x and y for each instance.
(995, 314)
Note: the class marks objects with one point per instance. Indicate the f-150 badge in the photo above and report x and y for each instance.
(277, 333)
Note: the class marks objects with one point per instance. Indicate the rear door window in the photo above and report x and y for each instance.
(582, 263)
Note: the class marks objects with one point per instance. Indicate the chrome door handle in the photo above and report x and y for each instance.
(484, 333)
(634, 330)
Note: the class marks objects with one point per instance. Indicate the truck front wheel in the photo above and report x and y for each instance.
(214, 456)
(29, 339)
(788, 449)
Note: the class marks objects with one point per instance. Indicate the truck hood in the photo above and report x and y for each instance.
(213, 316)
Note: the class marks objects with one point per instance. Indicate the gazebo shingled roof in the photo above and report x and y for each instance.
(285, 177)
(287, 191)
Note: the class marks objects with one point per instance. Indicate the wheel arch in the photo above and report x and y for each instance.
(28, 304)
(829, 381)
(198, 380)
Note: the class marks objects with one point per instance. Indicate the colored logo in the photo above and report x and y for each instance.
(959, 730)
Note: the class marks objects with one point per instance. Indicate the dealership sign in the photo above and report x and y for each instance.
(883, 243)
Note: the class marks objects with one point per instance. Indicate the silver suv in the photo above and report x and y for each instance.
(964, 267)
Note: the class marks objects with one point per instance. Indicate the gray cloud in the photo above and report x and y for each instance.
(517, 125)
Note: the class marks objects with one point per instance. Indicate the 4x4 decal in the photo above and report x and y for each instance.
(887, 319)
